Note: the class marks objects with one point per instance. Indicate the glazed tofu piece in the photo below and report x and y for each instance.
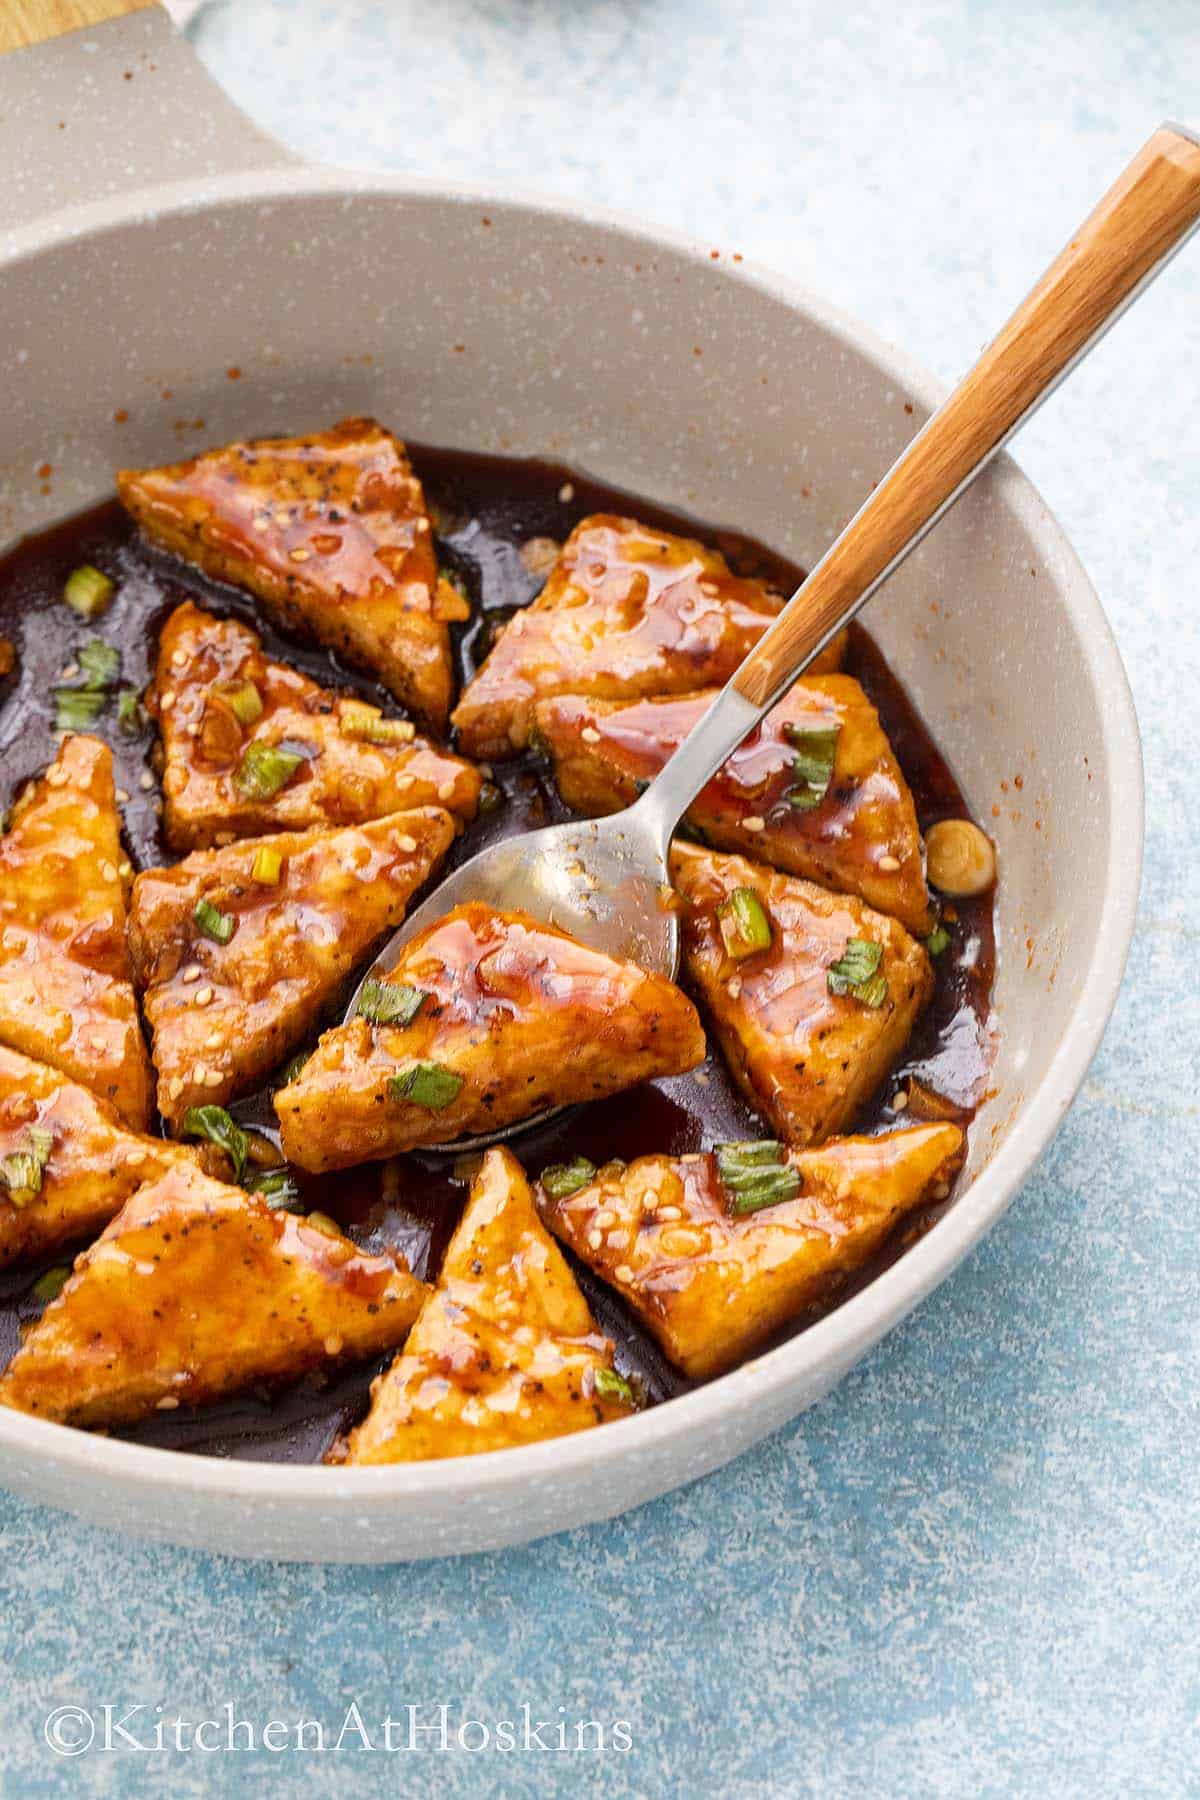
(250, 745)
(815, 790)
(195, 1290)
(238, 951)
(67, 1164)
(66, 988)
(331, 534)
(512, 1016)
(626, 611)
(712, 1284)
(807, 1045)
(505, 1351)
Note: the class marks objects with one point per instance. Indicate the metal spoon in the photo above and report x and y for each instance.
(602, 880)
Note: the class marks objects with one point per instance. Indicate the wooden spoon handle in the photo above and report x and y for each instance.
(24, 23)
(1141, 221)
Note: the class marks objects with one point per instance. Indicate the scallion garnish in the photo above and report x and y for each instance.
(88, 592)
(389, 1002)
(291, 1069)
(857, 972)
(276, 1188)
(130, 716)
(77, 709)
(243, 700)
(215, 1124)
(611, 1386)
(816, 750)
(101, 664)
(212, 922)
(358, 720)
(264, 770)
(745, 927)
(756, 1174)
(937, 940)
(50, 1284)
(563, 1179)
(426, 1084)
(267, 866)
(21, 1171)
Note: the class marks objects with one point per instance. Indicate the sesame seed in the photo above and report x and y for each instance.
(406, 843)
(125, 869)
(701, 1079)
(890, 863)
(108, 870)
(213, 1041)
(899, 1101)
(175, 1086)
(670, 1212)
(606, 1218)
(167, 701)
(333, 1345)
(179, 659)
(122, 796)
(203, 996)
(192, 972)
(145, 781)
(590, 735)
(754, 823)
(200, 1074)
(941, 1190)
(214, 1078)
(299, 555)
(97, 1042)
(566, 492)
(595, 1239)
(623, 1272)
(262, 522)
(709, 587)
(70, 671)
(446, 791)
(135, 1158)
(168, 1403)
(733, 986)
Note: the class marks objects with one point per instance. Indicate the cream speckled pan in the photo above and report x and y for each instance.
(335, 293)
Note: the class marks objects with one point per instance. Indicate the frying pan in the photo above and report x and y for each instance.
(152, 240)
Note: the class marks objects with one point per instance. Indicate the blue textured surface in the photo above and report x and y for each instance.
(974, 1568)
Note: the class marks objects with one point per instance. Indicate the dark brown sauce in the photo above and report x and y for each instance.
(485, 509)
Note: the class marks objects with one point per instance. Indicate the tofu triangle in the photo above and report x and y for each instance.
(301, 908)
(195, 1290)
(66, 988)
(331, 533)
(514, 1016)
(712, 1285)
(505, 1351)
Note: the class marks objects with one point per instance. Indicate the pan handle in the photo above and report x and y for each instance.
(102, 97)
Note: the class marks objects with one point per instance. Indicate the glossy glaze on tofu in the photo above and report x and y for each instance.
(516, 1016)
(860, 837)
(331, 533)
(505, 1351)
(806, 1056)
(93, 1163)
(207, 666)
(305, 908)
(196, 1289)
(66, 988)
(625, 611)
(713, 1286)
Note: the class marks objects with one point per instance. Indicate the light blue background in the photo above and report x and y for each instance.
(973, 1569)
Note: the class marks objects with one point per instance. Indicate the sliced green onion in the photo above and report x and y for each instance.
(243, 700)
(426, 1084)
(130, 716)
(77, 709)
(491, 798)
(389, 1002)
(816, 751)
(611, 1386)
(561, 1179)
(745, 927)
(857, 972)
(267, 866)
(21, 1171)
(264, 770)
(937, 940)
(88, 592)
(213, 923)
(215, 1124)
(50, 1284)
(276, 1188)
(291, 1068)
(756, 1174)
(100, 662)
(358, 720)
